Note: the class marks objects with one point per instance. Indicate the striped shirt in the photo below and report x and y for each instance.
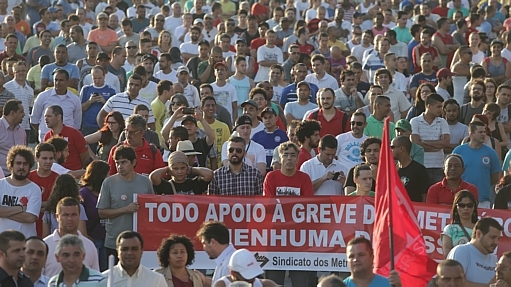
(371, 64)
(4, 97)
(431, 132)
(122, 104)
(88, 277)
(23, 93)
(248, 182)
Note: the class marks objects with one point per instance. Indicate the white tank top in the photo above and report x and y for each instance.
(458, 83)
(257, 282)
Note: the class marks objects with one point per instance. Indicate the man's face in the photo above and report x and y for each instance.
(205, 92)
(270, 38)
(209, 108)
(425, 10)
(504, 96)
(221, 73)
(300, 73)
(323, 41)
(378, 20)
(134, 86)
(291, 134)
(103, 22)
(148, 66)
(17, 117)
(435, 109)
(176, 9)
(241, 67)
(383, 80)
(62, 156)
(124, 166)
(303, 92)
(235, 153)
(479, 135)
(71, 258)
(476, 92)
(426, 63)
(11, 44)
(453, 168)
(35, 253)
(364, 181)
(288, 159)
(358, 124)
(98, 78)
(402, 21)
(314, 140)
(391, 62)
(134, 135)
(451, 112)
(250, 110)
(327, 100)
(318, 67)
(503, 269)
(61, 54)
(183, 77)
(50, 119)
(190, 126)
(194, 35)
(164, 64)
(160, 20)
(45, 160)
(141, 13)
(75, 36)
(294, 54)
(450, 276)
(145, 48)
(230, 26)
(68, 218)
(3, 5)
(60, 81)
(360, 259)
(490, 240)
(20, 73)
(14, 257)
(269, 120)
(103, 62)
(127, 30)
(384, 47)
(372, 153)
(327, 155)
(275, 75)
(130, 252)
(92, 50)
(425, 39)
(349, 82)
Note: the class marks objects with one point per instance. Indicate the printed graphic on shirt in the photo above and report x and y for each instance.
(11, 200)
(288, 190)
(353, 150)
(222, 98)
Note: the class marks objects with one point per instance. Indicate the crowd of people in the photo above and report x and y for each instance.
(245, 98)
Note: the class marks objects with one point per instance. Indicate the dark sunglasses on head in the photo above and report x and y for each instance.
(359, 124)
(463, 205)
(238, 150)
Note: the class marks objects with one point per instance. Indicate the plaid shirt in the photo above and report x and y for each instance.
(248, 182)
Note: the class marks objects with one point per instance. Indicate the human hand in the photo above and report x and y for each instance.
(132, 207)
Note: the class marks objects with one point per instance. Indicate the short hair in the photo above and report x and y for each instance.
(215, 229)
(434, 98)
(140, 107)
(22, 151)
(239, 59)
(72, 240)
(362, 240)
(61, 71)
(355, 65)
(56, 110)
(318, 57)
(166, 245)
(12, 105)
(333, 280)
(208, 98)
(306, 129)
(58, 143)
(359, 168)
(346, 73)
(405, 142)
(477, 82)
(163, 85)
(472, 126)
(450, 263)
(137, 121)
(503, 86)
(67, 201)
(484, 225)
(117, 50)
(37, 238)
(301, 31)
(242, 12)
(383, 71)
(415, 29)
(10, 235)
(43, 147)
(288, 145)
(328, 141)
(179, 132)
(367, 142)
(126, 152)
(237, 140)
(256, 91)
(126, 22)
(140, 71)
(127, 234)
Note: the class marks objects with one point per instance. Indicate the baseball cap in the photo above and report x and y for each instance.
(303, 83)
(40, 27)
(268, 110)
(183, 69)
(358, 14)
(102, 55)
(149, 57)
(250, 102)
(242, 120)
(178, 157)
(189, 118)
(204, 42)
(220, 64)
(404, 125)
(497, 41)
(244, 262)
(241, 40)
(197, 21)
(186, 147)
(444, 72)
(102, 15)
(208, 15)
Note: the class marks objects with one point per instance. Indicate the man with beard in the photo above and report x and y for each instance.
(307, 133)
(333, 121)
(457, 130)
(36, 253)
(477, 257)
(61, 155)
(370, 152)
(215, 240)
(450, 274)
(12, 256)
(21, 202)
(477, 91)
(78, 150)
(236, 177)
(166, 72)
(191, 49)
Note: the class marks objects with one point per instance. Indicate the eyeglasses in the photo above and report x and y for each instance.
(359, 124)
(230, 24)
(467, 205)
(111, 123)
(131, 47)
(131, 132)
(176, 104)
(424, 92)
(238, 150)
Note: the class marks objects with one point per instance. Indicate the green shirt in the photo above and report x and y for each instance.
(403, 34)
(201, 68)
(374, 128)
(417, 153)
(354, 193)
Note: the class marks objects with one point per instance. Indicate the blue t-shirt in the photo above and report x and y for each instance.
(289, 94)
(47, 71)
(480, 164)
(270, 141)
(420, 78)
(378, 281)
(89, 116)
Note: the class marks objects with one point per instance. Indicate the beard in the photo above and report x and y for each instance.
(20, 176)
(194, 39)
(237, 161)
(477, 97)
(60, 160)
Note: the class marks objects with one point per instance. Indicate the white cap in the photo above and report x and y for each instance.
(244, 262)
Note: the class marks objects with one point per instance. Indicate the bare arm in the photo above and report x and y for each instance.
(108, 213)
(290, 118)
(84, 158)
(267, 63)
(8, 211)
(108, 49)
(101, 117)
(44, 84)
(250, 70)
(262, 168)
(93, 138)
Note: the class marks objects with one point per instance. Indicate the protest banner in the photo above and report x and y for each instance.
(285, 233)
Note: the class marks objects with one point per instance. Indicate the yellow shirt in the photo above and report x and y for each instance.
(222, 135)
(228, 7)
(337, 43)
(160, 113)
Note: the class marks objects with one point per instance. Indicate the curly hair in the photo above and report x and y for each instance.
(306, 129)
(168, 243)
(20, 150)
(95, 174)
(65, 186)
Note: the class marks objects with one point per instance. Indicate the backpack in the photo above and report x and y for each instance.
(487, 61)
(345, 118)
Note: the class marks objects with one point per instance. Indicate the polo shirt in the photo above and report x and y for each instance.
(69, 102)
(374, 128)
(316, 169)
(147, 161)
(326, 82)
(440, 193)
(431, 132)
(88, 277)
(222, 262)
(398, 102)
(9, 137)
(72, 69)
(290, 94)
(334, 126)
(76, 144)
(6, 280)
(371, 64)
(53, 267)
(23, 93)
(121, 103)
(142, 277)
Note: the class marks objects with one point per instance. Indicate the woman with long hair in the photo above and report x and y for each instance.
(492, 111)
(463, 219)
(164, 43)
(108, 135)
(491, 88)
(503, 189)
(419, 106)
(489, 140)
(174, 255)
(65, 186)
(92, 180)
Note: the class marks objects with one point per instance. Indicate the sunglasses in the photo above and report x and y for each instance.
(463, 205)
(132, 47)
(176, 104)
(238, 150)
(359, 124)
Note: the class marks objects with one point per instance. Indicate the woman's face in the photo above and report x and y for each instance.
(165, 38)
(490, 89)
(176, 104)
(488, 113)
(425, 92)
(113, 125)
(465, 208)
(178, 255)
(402, 64)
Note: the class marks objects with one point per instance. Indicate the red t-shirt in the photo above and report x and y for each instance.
(442, 12)
(278, 184)
(146, 160)
(470, 30)
(46, 185)
(259, 9)
(305, 49)
(448, 40)
(256, 43)
(421, 50)
(76, 143)
(334, 126)
(303, 156)
(440, 193)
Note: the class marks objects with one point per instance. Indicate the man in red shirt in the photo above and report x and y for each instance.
(425, 47)
(303, 36)
(307, 133)
(475, 21)
(261, 11)
(148, 156)
(258, 42)
(288, 180)
(443, 192)
(79, 155)
(444, 42)
(43, 176)
(441, 10)
(333, 121)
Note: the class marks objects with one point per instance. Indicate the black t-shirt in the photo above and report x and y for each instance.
(194, 185)
(200, 145)
(350, 182)
(503, 198)
(415, 179)
(239, 31)
(246, 35)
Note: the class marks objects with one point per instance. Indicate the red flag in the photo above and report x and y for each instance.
(394, 208)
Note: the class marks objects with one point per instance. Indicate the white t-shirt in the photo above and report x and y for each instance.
(478, 58)
(315, 169)
(172, 76)
(265, 54)
(443, 92)
(277, 93)
(148, 92)
(28, 195)
(400, 82)
(225, 95)
(192, 95)
(189, 48)
(255, 153)
(358, 52)
(110, 79)
(479, 268)
(348, 149)
(297, 110)
(171, 23)
(506, 54)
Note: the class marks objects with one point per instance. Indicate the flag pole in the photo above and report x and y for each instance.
(391, 222)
